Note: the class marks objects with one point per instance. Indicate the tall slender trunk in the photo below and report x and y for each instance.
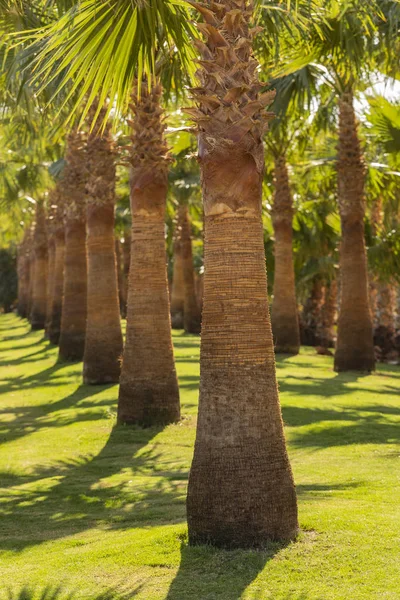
(39, 289)
(31, 268)
(355, 348)
(149, 391)
(73, 318)
(50, 280)
(191, 309)
(126, 255)
(103, 344)
(23, 275)
(241, 491)
(385, 326)
(120, 277)
(284, 315)
(58, 286)
(178, 282)
(326, 325)
(311, 315)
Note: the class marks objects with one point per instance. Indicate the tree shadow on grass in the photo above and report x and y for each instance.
(125, 485)
(204, 571)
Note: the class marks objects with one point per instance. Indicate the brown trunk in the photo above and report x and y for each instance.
(199, 282)
(241, 491)
(311, 315)
(326, 325)
(120, 278)
(58, 288)
(149, 393)
(385, 326)
(50, 281)
(355, 348)
(191, 310)
(178, 282)
(126, 254)
(74, 309)
(39, 289)
(103, 346)
(23, 275)
(31, 268)
(284, 315)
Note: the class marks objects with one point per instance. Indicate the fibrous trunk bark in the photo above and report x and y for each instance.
(284, 315)
(191, 310)
(241, 491)
(73, 318)
(103, 342)
(39, 288)
(355, 348)
(149, 393)
(178, 282)
(326, 325)
(50, 281)
(58, 287)
(31, 268)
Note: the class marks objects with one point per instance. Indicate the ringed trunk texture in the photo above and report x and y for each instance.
(149, 393)
(355, 348)
(50, 282)
(126, 255)
(120, 278)
(39, 288)
(74, 310)
(241, 491)
(58, 287)
(284, 314)
(191, 310)
(178, 285)
(103, 343)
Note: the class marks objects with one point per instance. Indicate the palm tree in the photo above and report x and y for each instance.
(241, 490)
(73, 319)
(39, 285)
(51, 245)
(178, 284)
(23, 274)
(103, 341)
(54, 326)
(149, 391)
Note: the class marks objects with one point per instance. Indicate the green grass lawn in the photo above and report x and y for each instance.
(92, 506)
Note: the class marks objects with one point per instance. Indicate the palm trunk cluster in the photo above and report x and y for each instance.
(284, 315)
(241, 490)
(73, 319)
(23, 274)
(103, 341)
(355, 349)
(149, 392)
(54, 324)
(51, 255)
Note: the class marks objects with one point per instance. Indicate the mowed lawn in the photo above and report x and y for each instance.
(93, 507)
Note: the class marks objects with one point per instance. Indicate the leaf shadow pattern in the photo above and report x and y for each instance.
(59, 592)
(85, 494)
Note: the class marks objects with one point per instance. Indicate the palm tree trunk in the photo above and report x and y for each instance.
(103, 344)
(74, 310)
(126, 255)
(120, 278)
(178, 282)
(311, 315)
(149, 393)
(58, 287)
(191, 310)
(39, 289)
(241, 491)
(355, 348)
(284, 315)
(23, 276)
(31, 268)
(326, 326)
(50, 281)
(385, 328)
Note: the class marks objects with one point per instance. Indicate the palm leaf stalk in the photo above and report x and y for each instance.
(74, 309)
(241, 491)
(149, 392)
(103, 340)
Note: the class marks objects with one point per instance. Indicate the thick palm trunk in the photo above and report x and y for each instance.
(58, 287)
(50, 281)
(241, 490)
(355, 348)
(284, 315)
(326, 328)
(149, 393)
(191, 310)
(178, 282)
(385, 327)
(39, 288)
(103, 344)
(73, 318)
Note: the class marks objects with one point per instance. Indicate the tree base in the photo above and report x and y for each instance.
(148, 407)
(363, 363)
